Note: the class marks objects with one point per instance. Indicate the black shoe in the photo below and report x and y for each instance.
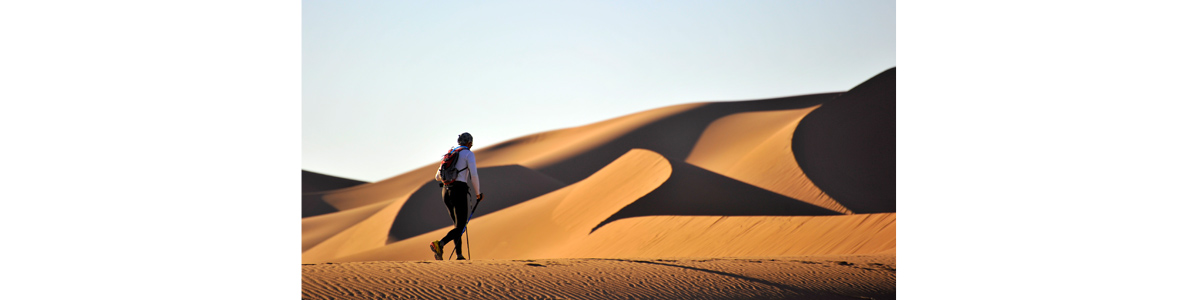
(461, 258)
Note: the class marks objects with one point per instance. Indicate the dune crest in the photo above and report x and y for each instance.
(612, 188)
(756, 148)
(398, 187)
(538, 150)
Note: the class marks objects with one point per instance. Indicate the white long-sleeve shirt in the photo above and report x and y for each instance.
(466, 159)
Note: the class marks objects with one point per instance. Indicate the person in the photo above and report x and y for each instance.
(456, 194)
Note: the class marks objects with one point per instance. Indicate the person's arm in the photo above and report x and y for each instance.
(474, 174)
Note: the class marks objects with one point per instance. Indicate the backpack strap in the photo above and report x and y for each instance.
(465, 166)
(454, 152)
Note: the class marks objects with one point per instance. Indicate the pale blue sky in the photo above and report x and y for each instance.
(388, 85)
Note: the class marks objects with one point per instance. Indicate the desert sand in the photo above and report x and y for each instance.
(779, 198)
(807, 277)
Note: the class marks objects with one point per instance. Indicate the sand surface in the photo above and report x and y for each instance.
(700, 200)
(777, 277)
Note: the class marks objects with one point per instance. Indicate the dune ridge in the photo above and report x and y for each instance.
(755, 147)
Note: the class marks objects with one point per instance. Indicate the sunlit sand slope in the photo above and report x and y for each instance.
(756, 147)
(713, 236)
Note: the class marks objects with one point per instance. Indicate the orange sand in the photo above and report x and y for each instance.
(807, 277)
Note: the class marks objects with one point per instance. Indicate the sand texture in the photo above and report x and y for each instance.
(808, 277)
(742, 199)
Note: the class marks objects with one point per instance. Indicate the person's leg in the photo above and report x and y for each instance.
(456, 203)
(460, 220)
(448, 199)
(437, 245)
(450, 194)
(456, 190)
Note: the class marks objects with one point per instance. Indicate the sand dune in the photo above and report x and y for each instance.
(755, 147)
(792, 177)
(671, 131)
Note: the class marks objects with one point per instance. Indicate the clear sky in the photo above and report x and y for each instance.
(388, 85)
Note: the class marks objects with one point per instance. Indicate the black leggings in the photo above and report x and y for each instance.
(456, 196)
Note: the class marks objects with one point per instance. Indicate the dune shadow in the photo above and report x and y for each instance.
(313, 204)
(314, 186)
(502, 186)
(694, 191)
(673, 137)
(847, 147)
(316, 182)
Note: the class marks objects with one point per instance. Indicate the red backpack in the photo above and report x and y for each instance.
(447, 170)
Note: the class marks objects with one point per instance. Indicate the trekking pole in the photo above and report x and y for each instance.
(465, 228)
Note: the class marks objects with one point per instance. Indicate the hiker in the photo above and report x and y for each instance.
(460, 182)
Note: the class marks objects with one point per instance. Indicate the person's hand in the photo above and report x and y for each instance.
(479, 197)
